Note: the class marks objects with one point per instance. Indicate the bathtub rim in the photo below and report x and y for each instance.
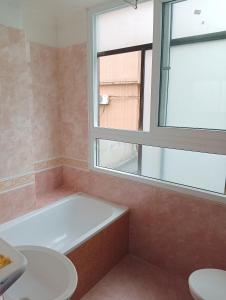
(119, 212)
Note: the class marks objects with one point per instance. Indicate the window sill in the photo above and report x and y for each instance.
(206, 195)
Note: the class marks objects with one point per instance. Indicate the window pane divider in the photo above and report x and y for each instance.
(202, 38)
(173, 138)
(125, 50)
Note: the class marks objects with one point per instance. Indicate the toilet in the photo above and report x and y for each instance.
(208, 284)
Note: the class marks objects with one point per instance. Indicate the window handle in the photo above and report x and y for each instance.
(166, 68)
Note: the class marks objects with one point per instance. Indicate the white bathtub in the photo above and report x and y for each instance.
(64, 225)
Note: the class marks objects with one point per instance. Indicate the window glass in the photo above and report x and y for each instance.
(125, 27)
(124, 74)
(119, 91)
(185, 167)
(117, 156)
(197, 86)
(193, 81)
(170, 165)
(195, 17)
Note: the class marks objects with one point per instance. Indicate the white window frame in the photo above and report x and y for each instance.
(198, 140)
(201, 140)
(95, 132)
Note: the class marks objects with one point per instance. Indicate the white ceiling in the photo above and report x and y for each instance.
(80, 3)
(57, 5)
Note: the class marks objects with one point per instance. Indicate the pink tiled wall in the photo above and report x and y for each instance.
(73, 103)
(15, 104)
(48, 180)
(29, 119)
(177, 232)
(46, 113)
(17, 202)
(29, 102)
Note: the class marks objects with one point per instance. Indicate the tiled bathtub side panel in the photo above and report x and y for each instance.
(98, 255)
(175, 231)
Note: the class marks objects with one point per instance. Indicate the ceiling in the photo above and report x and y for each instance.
(80, 3)
(57, 6)
(65, 3)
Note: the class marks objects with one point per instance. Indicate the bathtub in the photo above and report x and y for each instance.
(92, 232)
(64, 225)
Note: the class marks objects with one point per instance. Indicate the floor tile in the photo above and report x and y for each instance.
(134, 279)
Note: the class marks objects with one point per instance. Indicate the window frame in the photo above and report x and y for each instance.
(142, 49)
(199, 140)
(95, 132)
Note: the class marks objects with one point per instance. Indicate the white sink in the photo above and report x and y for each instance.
(49, 276)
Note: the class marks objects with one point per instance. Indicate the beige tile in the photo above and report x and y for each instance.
(134, 279)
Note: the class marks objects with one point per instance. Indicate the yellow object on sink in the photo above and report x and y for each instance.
(4, 261)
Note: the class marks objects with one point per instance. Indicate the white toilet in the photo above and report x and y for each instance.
(208, 284)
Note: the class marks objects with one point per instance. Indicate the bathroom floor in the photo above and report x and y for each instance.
(134, 279)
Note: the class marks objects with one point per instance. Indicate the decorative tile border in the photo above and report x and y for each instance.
(7, 184)
(47, 164)
(16, 182)
(58, 162)
(75, 163)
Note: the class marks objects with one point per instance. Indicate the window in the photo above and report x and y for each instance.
(193, 82)
(124, 47)
(170, 165)
(158, 101)
(188, 99)
(121, 87)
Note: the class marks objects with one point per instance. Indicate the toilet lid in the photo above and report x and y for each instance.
(208, 284)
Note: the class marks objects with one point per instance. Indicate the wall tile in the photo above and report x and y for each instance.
(73, 102)
(16, 182)
(48, 180)
(29, 118)
(177, 232)
(15, 105)
(46, 114)
(17, 202)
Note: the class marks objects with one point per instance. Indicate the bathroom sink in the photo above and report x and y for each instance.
(49, 276)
